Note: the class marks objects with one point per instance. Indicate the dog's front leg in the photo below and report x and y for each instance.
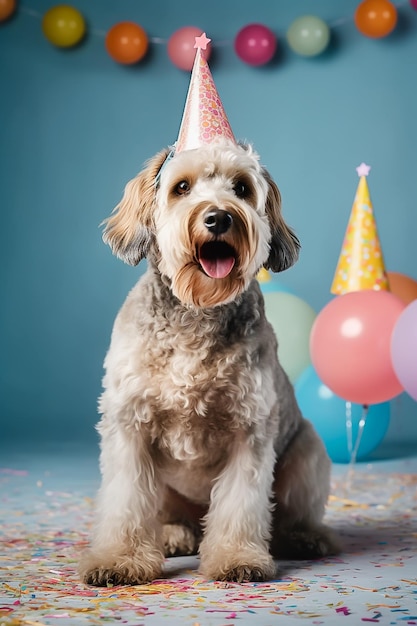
(237, 526)
(127, 543)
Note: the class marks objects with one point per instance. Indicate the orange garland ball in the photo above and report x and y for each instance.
(127, 42)
(7, 8)
(375, 18)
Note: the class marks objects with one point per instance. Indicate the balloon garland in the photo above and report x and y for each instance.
(308, 36)
(127, 42)
(7, 8)
(181, 49)
(63, 26)
(376, 18)
(255, 44)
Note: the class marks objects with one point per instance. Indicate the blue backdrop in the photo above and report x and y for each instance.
(75, 127)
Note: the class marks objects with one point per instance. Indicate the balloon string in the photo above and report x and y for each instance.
(349, 435)
(362, 423)
(354, 448)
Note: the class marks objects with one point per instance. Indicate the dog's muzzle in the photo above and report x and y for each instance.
(217, 258)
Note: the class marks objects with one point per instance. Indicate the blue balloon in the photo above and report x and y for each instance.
(327, 413)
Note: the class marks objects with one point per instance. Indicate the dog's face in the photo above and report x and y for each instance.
(213, 219)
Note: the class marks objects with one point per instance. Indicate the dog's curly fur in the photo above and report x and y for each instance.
(203, 447)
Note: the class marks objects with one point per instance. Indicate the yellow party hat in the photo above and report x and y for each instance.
(361, 263)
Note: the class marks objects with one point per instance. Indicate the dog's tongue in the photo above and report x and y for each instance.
(218, 268)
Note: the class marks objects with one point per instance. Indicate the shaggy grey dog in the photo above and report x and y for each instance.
(203, 447)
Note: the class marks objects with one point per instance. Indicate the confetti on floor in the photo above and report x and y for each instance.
(46, 504)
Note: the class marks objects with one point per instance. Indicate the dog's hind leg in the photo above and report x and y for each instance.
(301, 489)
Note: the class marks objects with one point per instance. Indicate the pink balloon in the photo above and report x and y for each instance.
(414, 4)
(404, 349)
(255, 44)
(350, 346)
(181, 48)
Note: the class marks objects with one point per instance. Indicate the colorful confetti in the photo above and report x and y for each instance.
(46, 516)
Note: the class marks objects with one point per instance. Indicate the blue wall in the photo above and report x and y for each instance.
(75, 127)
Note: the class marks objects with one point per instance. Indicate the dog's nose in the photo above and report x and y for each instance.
(218, 221)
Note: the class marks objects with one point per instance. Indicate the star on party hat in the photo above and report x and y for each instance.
(204, 119)
(361, 263)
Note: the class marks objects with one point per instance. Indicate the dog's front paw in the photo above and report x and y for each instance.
(109, 577)
(245, 574)
(240, 570)
(117, 571)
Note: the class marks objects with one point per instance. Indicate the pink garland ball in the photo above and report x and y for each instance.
(181, 47)
(255, 44)
(413, 3)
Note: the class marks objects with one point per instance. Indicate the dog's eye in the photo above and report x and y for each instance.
(182, 187)
(241, 189)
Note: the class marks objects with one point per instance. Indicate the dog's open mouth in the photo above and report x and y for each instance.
(217, 258)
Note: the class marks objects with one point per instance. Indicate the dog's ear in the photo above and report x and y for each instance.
(284, 244)
(129, 230)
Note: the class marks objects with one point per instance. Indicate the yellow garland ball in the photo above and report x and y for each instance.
(63, 26)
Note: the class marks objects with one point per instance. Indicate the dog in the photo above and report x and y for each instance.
(203, 447)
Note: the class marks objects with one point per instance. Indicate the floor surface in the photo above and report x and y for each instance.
(46, 503)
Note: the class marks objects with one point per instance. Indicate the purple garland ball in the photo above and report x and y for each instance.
(255, 44)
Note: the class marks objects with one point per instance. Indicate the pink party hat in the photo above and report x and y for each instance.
(361, 263)
(204, 119)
